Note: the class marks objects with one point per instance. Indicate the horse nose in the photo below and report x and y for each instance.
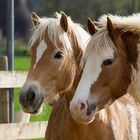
(28, 98)
(82, 106)
(90, 108)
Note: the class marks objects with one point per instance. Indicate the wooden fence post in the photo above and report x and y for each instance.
(4, 94)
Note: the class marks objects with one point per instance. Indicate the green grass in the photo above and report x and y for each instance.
(23, 63)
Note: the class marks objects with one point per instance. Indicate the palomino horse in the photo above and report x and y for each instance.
(111, 69)
(113, 123)
(56, 48)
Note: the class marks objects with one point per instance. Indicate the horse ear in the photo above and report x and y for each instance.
(91, 27)
(64, 22)
(35, 19)
(110, 28)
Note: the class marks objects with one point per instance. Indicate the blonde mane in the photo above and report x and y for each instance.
(129, 23)
(57, 34)
(101, 38)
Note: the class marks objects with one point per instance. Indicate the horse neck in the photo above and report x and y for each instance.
(72, 89)
(134, 87)
(78, 52)
(135, 90)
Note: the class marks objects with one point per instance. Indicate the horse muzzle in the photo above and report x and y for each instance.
(31, 98)
(82, 112)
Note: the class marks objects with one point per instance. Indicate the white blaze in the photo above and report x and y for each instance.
(40, 50)
(91, 73)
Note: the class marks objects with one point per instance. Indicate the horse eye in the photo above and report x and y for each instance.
(107, 62)
(58, 55)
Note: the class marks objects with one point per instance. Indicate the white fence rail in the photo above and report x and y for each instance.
(14, 131)
(12, 79)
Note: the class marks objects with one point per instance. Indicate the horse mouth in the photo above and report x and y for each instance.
(83, 120)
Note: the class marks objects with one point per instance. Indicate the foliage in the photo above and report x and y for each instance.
(80, 10)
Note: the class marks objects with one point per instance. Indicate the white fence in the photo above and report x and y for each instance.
(12, 131)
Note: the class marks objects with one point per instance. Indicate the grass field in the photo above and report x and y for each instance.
(23, 63)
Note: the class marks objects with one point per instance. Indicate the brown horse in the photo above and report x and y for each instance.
(112, 69)
(113, 123)
(56, 48)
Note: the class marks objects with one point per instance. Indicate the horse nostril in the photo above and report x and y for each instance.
(82, 106)
(31, 97)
